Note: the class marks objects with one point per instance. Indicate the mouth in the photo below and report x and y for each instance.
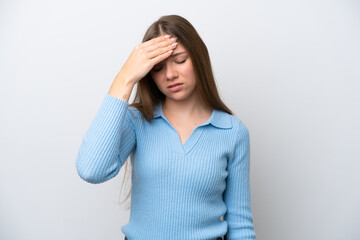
(175, 84)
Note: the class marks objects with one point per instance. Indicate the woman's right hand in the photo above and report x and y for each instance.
(145, 56)
(142, 59)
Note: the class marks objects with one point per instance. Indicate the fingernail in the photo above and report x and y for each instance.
(173, 39)
(170, 51)
(167, 36)
(174, 44)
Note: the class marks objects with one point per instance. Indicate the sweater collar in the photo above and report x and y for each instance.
(218, 118)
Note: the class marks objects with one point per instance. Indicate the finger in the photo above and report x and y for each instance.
(159, 45)
(161, 57)
(161, 50)
(155, 40)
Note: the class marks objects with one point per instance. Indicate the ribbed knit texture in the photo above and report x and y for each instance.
(179, 191)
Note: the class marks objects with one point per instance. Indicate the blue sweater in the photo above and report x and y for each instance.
(179, 191)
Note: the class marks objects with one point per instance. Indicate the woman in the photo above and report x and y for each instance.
(189, 154)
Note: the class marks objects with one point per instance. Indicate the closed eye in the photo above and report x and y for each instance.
(181, 61)
(156, 69)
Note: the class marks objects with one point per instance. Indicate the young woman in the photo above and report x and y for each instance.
(190, 155)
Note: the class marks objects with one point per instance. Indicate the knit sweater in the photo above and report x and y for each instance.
(179, 191)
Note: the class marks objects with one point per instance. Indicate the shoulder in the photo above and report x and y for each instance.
(242, 132)
(239, 131)
(134, 114)
(239, 126)
(134, 111)
(235, 129)
(230, 121)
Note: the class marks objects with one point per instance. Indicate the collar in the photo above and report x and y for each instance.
(218, 118)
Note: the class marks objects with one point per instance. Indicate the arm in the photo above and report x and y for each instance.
(237, 193)
(111, 137)
(107, 143)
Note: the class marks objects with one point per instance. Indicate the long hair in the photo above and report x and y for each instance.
(147, 93)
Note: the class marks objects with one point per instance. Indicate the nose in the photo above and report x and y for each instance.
(171, 72)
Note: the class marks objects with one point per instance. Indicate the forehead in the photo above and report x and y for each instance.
(179, 50)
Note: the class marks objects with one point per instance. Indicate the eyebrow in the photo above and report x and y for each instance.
(176, 54)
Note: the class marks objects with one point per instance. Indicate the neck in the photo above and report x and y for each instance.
(183, 109)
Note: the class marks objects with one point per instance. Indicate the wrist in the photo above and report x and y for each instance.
(121, 88)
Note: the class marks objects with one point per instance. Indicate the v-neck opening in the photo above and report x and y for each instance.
(175, 141)
(182, 144)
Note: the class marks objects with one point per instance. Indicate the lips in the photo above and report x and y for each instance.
(173, 85)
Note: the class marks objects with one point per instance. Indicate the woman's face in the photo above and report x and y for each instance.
(175, 76)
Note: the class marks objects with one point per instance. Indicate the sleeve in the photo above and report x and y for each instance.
(107, 143)
(237, 193)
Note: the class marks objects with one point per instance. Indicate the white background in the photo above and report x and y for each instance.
(290, 70)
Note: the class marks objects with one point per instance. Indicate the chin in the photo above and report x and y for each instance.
(177, 97)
